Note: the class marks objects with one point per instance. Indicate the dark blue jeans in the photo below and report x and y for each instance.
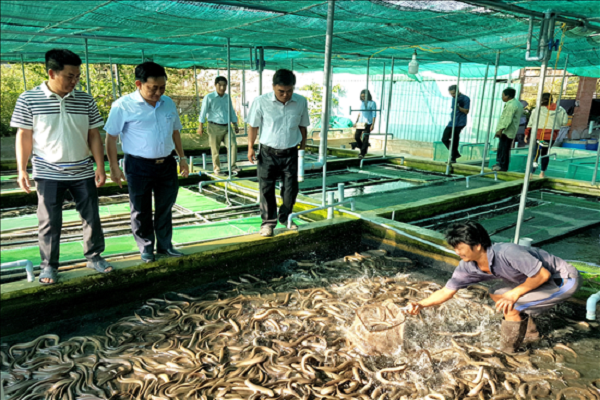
(144, 178)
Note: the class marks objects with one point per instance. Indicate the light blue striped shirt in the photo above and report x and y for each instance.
(367, 116)
(145, 131)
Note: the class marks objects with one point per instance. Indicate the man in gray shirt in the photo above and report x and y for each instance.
(534, 280)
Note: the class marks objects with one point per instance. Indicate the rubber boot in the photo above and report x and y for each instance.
(531, 334)
(512, 334)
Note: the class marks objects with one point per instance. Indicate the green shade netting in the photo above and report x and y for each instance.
(193, 33)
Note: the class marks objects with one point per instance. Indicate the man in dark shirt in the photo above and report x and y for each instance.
(463, 105)
(534, 280)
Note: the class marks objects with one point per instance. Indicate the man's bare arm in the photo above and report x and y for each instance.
(23, 148)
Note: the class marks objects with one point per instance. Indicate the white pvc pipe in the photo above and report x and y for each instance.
(21, 263)
(300, 165)
(591, 306)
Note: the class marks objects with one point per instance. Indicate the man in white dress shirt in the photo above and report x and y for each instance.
(214, 110)
(149, 126)
(282, 118)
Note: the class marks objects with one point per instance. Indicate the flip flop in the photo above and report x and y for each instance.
(48, 273)
(100, 266)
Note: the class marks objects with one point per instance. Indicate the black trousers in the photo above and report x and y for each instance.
(51, 195)
(144, 178)
(270, 169)
(446, 140)
(503, 155)
(540, 152)
(363, 142)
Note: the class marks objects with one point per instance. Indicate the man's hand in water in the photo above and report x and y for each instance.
(414, 308)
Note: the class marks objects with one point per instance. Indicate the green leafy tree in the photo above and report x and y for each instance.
(315, 100)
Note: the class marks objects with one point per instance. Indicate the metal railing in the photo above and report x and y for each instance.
(482, 174)
(329, 207)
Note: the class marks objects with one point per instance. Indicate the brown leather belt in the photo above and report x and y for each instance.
(214, 123)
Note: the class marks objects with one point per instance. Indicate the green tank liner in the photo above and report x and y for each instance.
(408, 175)
(333, 180)
(186, 198)
(415, 193)
(71, 251)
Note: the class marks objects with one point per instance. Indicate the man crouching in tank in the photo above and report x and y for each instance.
(534, 281)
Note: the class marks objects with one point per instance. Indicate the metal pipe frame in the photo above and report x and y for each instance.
(532, 145)
(118, 79)
(495, 173)
(87, 69)
(327, 206)
(24, 77)
(389, 111)
(229, 107)
(454, 116)
(595, 176)
(487, 70)
(560, 92)
(381, 98)
(196, 89)
(327, 72)
(487, 136)
(112, 78)
(244, 103)
(261, 56)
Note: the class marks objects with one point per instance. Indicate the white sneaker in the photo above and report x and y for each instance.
(266, 231)
(496, 167)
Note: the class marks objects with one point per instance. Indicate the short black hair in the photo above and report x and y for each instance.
(468, 232)
(284, 77)
(452, 88)
(510, 92)
(367, 94)
(546, 98)
(220, 79)
(147, 70)
(56, 59)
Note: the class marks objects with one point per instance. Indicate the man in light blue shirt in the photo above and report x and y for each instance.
(366, 119)
(282, 117)
(214, 110)
(149, 125)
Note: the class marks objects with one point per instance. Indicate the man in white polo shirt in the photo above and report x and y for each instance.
(59, 125)
(149, 125)
(282, 117)
(214, 110)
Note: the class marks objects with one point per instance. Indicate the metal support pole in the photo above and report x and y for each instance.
(381, 100)
(23, 70)
(341, 187)
(229, 106)
(455, 113)
(196, 90)
(261, 56)
(532, 146)
(87, 68)
(367, 86)
(330, 200)
(389, 109)
(487, 136)
(487, 70)
(327, 97)
(595, 176)
(118, 77)
(112, 79)
(244, 105)
(562, 85)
